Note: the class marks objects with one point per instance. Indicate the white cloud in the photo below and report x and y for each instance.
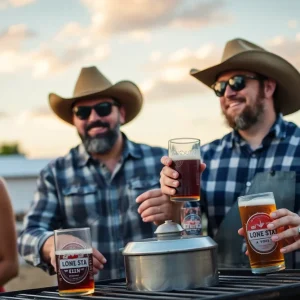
(11, 61)
(99, 53)
(204, 51)
(180, 55)
(276, 41)
(288, 48)
(155, 56)
(171, 72)
(292, 23)
(70, 30)
(13, 37)
(79, 44)
(15, 3)
(128, 15)
(140, 35)
(3, 115)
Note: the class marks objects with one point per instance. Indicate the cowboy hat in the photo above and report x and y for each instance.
(240, 54)
(91, 82)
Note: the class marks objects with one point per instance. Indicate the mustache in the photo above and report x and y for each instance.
(234, 98)
(96, 124)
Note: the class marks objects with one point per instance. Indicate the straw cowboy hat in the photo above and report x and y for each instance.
(240, 54)
(91, 82)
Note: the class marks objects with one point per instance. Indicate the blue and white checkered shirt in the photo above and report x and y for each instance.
(232, 164)
(77, 191)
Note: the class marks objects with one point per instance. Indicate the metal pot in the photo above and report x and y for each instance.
(171, 261)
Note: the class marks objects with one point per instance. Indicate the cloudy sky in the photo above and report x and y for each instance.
(154, 43)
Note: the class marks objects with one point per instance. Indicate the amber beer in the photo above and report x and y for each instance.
(189, 179)
(264, 254)
(74, 261)
(75, 272)
(186, 158)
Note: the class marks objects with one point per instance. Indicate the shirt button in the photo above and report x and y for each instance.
(248, 183)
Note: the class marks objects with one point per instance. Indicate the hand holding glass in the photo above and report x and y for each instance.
(264, 254)
(74, 261)
(185, 154)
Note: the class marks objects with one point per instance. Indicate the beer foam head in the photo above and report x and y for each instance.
(184, 157)
(257, 201)
(74, 251)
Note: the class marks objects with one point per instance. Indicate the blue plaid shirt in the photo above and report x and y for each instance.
(77, 191)
(232, 164)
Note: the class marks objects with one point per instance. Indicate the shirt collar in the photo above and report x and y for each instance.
(278, 131)
(130, 149)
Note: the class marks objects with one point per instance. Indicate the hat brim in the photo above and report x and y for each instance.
(287, 95)
(125, 92)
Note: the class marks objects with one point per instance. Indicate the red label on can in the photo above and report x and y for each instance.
(191, 220)
(74, 262)
(259, 236)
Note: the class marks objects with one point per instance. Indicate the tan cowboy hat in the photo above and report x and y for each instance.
(240, 54)
(91, 82)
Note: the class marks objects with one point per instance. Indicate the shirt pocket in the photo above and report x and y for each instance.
(80, 204)
(137, 186)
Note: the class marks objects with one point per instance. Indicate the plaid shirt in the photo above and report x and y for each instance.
(77, 191)
(232, 164)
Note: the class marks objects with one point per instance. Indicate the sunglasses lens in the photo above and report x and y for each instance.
(219, 88)
(83, 112)
(237, 83)
(103, 109)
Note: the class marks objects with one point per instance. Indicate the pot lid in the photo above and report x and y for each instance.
(169, 240)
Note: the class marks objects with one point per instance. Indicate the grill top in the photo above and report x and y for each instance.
(233, 284)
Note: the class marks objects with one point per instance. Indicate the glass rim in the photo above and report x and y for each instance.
(254, 196)
(72, 229)
(184, 140)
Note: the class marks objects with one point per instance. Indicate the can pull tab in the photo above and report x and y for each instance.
(168, 230)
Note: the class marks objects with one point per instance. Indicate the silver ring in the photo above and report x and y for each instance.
(298, 230)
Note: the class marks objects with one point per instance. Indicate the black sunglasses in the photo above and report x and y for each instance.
(236, 83)
(102, 109)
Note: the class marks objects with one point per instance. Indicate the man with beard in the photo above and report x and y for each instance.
(96, 184)
(261, 154)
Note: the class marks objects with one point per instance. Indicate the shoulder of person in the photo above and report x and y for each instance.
(212, 146)
(147, 148)
(292, 128)
(61, 161)
(3, 183)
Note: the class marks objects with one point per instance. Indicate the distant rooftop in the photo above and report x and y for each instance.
(20, 166)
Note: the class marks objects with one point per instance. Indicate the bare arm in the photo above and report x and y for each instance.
(8, 246)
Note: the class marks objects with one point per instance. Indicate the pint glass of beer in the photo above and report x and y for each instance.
(264, 254)
(186, 157)
(74, 261)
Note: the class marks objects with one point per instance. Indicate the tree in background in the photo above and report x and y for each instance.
(10, 149)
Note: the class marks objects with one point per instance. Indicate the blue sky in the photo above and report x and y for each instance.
(154, 43)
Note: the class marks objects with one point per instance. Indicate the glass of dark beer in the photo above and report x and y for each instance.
(74, 261)
(264, 254)
(186, 157)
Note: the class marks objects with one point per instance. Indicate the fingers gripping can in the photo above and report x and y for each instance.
(264, 254)
(74, 262)
(186, 157)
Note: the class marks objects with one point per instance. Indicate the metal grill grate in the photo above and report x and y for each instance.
(233, 284)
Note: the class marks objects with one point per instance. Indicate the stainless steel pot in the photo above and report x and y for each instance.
(171, 261)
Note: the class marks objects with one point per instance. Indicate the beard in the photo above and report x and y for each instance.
(250, 115)
(101, 143)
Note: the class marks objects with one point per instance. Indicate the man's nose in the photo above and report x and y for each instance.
(93, 116)
(229, 92)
